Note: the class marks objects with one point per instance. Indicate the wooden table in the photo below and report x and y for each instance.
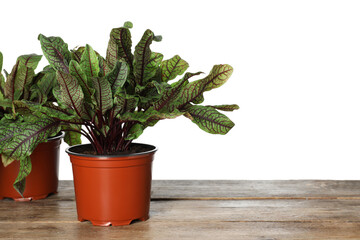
(261, 210)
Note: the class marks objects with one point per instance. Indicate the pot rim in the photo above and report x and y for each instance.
(70, 152)
(57, 136)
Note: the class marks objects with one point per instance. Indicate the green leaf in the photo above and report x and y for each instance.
(218, 76)
(42, 89)
(6, 133)
(77, 53)
(6, 160)
(58, 96)
(142, 56)
(56, 52)
(118, 76)
(24, 171)
(30, 60)
(149, 115)
(70, 93)
(71, 137)
(10, 82)
(209, 119)
(135, 131)
(1, 61)
(158, 38)
(128, 24)
(152, 66)
(78, 73)
(161, 87)
(89, 62)
(5, 103)
(20, 139)
(25, 74)
(124, 102)
(103, 94)
(47, 110)
(119, 46)
(2, 85)
(227, 108)
(111, 53)
(173, 67)
(57, 112)
(169, 96)
(27, 135)
(21, 77)
(199, 99)
(104, 67)
(2, 79)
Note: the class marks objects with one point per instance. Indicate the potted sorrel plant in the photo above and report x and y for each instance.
(115, 99)
(29, 149)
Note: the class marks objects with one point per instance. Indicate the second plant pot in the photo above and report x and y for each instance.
(112, 189)
(43, 178)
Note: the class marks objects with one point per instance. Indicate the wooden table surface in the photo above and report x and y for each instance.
(261, 210)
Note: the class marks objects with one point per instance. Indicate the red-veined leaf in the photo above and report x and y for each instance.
(118, 76)
(78, 73)
(71, 93)
(56, 52)
(10, 82)
(152, 66)
(124, 102)
(169, 96)
(25, 138)
(103, 94)
(89, 62)
(104, 67)
(173, 67)
(218, 76)
(210, 120)
(142, 56)
(119, 46)
(227, 108)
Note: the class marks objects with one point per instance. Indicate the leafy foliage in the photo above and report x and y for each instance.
(116, 98)
(22, 129)
(110, 100)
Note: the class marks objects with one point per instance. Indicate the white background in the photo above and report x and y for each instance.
(296, 79)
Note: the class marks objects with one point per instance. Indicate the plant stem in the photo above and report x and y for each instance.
(126, 146)
(96, 144)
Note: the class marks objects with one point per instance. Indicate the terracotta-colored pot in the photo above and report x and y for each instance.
(112, 189)
(43, 178)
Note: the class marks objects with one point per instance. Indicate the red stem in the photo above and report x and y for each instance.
(96, 143)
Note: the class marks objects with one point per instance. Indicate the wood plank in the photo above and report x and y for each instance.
(287, 219)
(303, 189)
(198, 211)
(260, 210)
(186, 230)
(244, 189)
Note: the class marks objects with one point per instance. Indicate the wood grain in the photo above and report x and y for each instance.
(260, 210)
(264, 189)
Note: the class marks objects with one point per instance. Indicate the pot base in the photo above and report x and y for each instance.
(28, 199)
(113, 223)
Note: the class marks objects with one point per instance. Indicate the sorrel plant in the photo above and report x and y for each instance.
(112, 100)
(21, 133)
(117, 97)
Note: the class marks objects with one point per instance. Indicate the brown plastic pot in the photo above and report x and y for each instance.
(112, 189)
(43, 178)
